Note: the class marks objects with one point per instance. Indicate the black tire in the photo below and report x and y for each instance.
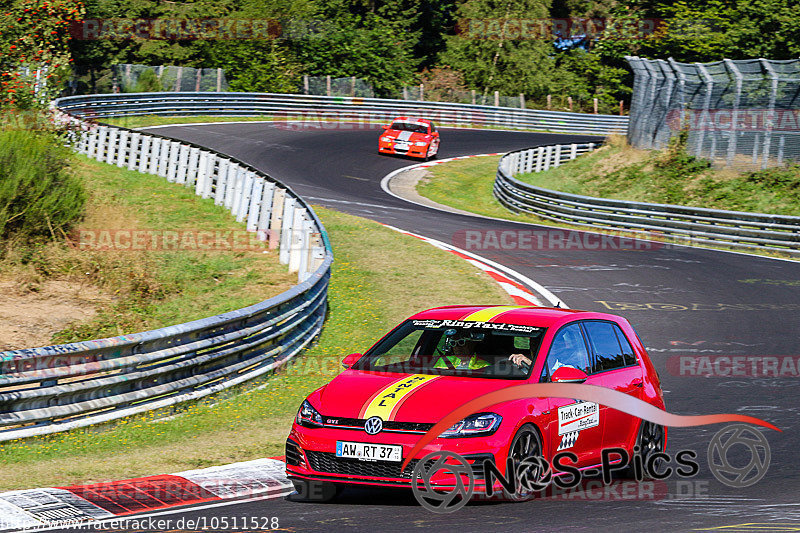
(314, 491)
(525, 446)
(650, 439)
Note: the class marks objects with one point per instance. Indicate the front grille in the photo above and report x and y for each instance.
(328, 462)
(389, 425)
(294, 456)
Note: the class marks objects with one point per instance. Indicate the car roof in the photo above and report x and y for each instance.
(511, 314)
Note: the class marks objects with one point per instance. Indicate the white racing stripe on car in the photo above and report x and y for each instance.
(404, 136)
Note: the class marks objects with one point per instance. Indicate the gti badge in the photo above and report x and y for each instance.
(374, 425)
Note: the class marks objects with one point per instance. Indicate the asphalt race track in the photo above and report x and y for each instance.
(682, 301)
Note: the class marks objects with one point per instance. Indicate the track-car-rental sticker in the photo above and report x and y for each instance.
(575, 417)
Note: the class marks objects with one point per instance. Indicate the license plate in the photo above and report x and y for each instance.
(401, 146)
(369, 452)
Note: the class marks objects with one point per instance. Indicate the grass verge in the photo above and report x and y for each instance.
(163, 282)
(379, 278)
(467, 185)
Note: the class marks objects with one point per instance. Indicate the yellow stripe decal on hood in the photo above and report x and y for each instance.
(484, 315)
(385, 401)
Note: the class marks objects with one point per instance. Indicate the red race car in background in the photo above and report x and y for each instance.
(360, 427)
(415, 137)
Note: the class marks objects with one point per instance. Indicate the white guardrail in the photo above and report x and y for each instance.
(735, 229)
(57, 388)
(338, 108)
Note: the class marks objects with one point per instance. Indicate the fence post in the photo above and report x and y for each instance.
(197, 79)
(539, 154)
(573, 151)
(473, 96)
(353, 86)
(219, 80)
(405, 92)
(234, 173)
(548, 157)
(569, 102)
(296, 240)
(328, 85)
(732, 140)
(305, 84)
(594, 103)
(91, 145)
(111, 145)
(557, 156)
(704, 115)
(421, 92)
(497, 98)
(549, 101)
(521, 101)
(771, 110)
(178, 80)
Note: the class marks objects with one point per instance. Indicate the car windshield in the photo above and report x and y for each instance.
(407, 126)
(455, 347)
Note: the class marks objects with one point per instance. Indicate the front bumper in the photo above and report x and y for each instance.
(412, 151)
(311, 455)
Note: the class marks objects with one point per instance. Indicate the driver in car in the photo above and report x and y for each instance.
(460, 351)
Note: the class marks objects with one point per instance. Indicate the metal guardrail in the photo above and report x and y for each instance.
(709, 226)
(57, 388)
(341, 108)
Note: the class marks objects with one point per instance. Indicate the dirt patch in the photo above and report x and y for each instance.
(29, 319)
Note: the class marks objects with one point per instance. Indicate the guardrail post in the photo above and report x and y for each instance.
(211, 172)
(133, 150)
(183, 164)
(277, 217)
(163, 157)
(297, 240)
(234, 171)
(100, 150)
(304, 247)
(244, 202)
(202, 168)
(91, 146)
(557, 156)
(255, 204)
(83, 142)
(155, 152)
(123, 148)
(172, 165)
(548, 156)
(264, 215)
(286, 229)
(111, 145)
(529, 160)
(144, 153)
(222, 181)
(573, 151)
(194, 166)
(539, 155)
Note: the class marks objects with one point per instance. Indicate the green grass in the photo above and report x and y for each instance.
(371, 291)
(673, 177)
(149, 288)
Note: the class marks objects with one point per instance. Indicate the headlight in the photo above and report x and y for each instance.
(308, 417)
(386, 139)
(477, 425)
(420, 143)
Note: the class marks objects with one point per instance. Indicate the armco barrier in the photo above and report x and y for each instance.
(56, 388)
(339, 108)
(729, 228)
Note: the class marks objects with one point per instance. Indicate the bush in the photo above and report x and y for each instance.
(39, 196)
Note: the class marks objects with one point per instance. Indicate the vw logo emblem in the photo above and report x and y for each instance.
(374, 425)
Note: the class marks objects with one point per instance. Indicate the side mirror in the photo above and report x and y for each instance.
(568, 374)
(350, 360)
(385, 126)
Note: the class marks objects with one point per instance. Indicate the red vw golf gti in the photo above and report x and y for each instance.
(360, 427)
